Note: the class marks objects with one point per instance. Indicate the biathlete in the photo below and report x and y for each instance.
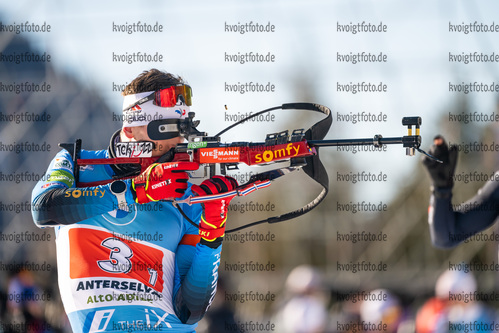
(127, 259)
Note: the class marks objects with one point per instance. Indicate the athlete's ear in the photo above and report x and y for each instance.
(128, 132)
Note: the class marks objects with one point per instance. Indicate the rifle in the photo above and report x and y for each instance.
(301, 149)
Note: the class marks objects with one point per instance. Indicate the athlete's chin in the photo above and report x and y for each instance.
(158, 153)
(160, 149)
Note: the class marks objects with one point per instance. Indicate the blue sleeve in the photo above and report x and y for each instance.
(449, 226)
(56, 201)
(185, 253)
(196, 273)
(198, 288)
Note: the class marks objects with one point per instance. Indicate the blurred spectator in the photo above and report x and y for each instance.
(305, 311)
(25, 305)
(454, 307)
(381, 315)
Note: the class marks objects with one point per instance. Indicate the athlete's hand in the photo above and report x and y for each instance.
(442, 174)
(212, 225)
(162, 181)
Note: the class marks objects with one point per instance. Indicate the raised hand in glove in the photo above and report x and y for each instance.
(212, 225)
(441, 173)
(162, 181)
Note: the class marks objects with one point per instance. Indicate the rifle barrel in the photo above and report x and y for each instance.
(355, 142)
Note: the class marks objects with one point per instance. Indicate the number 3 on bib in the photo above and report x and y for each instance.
(119, 258)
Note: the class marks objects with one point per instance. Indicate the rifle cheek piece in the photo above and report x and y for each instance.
(164, 129)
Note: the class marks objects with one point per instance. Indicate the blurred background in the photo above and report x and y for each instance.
(288, 277)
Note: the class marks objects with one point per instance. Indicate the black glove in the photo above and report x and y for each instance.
(442, 174)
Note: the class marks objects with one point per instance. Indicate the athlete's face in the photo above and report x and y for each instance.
(139, 133)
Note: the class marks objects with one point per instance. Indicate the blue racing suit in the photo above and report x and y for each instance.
(136, 271)
(450, 226)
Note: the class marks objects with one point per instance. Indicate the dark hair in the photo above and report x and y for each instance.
(151, 80)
